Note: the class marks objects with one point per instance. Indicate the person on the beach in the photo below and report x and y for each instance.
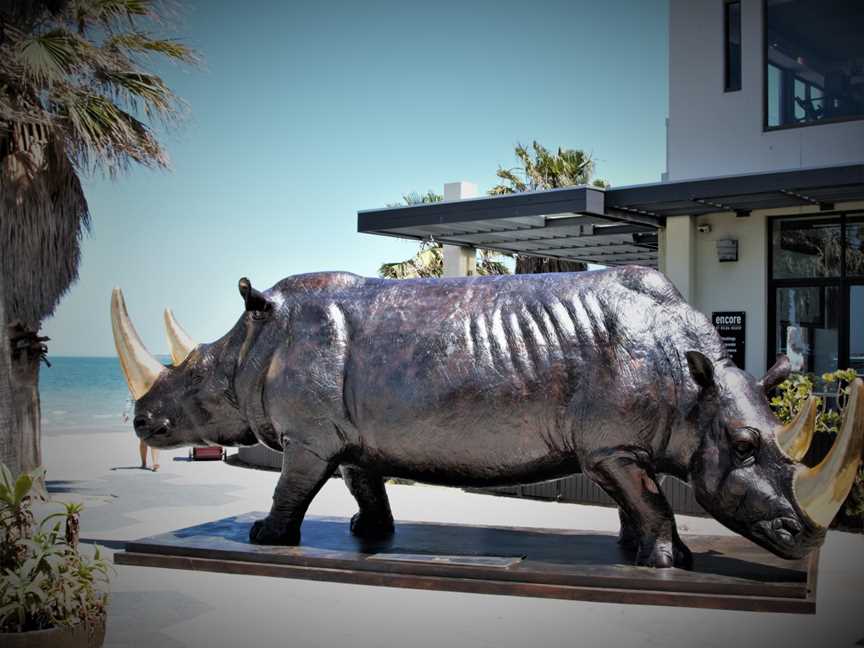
(154, 454)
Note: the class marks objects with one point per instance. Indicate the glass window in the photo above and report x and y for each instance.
(807, 330)
(806, 248)
(733, 46)
(774, 88)
(815, 58)
(855, 246)
(856, 329)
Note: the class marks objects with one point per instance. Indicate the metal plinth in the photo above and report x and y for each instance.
(729, 572)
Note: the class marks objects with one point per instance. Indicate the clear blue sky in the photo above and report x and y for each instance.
(305, 112)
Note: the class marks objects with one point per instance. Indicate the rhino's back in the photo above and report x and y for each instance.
(464, 367)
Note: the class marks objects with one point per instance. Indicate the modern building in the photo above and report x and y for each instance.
(759, 217)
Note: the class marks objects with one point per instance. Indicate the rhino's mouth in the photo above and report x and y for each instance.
(781, 532)
(146, 428)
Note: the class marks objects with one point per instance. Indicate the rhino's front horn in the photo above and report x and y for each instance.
(140, 368)
(821, 490)
(795, 437)
(179, 342)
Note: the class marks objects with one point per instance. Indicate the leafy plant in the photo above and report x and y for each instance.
(789, 399)
(429, 260)
(47, 581)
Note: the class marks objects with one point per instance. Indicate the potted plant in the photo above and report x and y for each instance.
(52, 593)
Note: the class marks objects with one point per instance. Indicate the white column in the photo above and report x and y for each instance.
(459, 261)
(679, 261)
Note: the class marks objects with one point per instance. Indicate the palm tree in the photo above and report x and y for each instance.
(546, 170)
(75, 97)
(540, 170)
(429, 260)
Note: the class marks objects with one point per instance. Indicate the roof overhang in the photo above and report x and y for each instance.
(610, 227)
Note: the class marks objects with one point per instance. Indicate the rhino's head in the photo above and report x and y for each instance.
(747, 471)
(192, 402)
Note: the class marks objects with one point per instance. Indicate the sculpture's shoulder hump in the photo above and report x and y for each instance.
(318, 282)
(649, 282)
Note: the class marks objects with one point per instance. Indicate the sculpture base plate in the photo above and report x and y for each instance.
(729, 572)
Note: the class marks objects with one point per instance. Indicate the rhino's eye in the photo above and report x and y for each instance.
(745, 443)
(196, 379)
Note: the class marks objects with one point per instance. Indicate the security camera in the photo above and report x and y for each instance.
(703, 229)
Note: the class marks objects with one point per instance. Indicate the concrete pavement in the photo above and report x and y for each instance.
(158, 607)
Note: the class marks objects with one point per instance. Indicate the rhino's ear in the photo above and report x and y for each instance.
(776, 374)
(254, 300)
(701, 369)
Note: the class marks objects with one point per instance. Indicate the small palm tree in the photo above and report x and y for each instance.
(75, 97)
(429, 260)
(541, 169)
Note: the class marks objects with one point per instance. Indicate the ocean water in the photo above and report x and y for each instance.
(84, 395)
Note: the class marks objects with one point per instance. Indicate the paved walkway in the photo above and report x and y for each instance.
(167, 608)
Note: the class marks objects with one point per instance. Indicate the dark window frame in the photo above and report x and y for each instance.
(728, 84)
(764, 72)
(843, 282)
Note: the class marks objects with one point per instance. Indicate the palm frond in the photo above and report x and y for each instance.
(139, 42)
(140, 91)
(104, 13)
(48, 57)
(102, 133)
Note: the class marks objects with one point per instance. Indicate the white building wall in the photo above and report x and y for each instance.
(710, 285)
(737, 285)
(712, 132)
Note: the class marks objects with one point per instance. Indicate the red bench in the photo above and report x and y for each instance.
(206, 453)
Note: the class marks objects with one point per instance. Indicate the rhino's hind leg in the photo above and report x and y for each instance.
(303, 475)
(374, 519)
(648, 524)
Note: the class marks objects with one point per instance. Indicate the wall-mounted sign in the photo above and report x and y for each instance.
(731, 327)
(727, 250)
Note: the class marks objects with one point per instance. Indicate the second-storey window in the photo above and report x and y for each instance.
(732, 50)
(814, 56)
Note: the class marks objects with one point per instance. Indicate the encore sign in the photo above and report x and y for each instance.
(730, 326)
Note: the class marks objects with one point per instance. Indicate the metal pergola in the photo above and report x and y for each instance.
(610, 227)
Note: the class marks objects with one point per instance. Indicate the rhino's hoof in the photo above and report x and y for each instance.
(264, 532)
(370, 527)
(664, 554)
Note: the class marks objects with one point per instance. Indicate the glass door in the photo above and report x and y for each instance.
(856, 328)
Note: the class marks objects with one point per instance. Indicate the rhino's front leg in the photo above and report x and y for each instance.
(374, 520)
(628, 535)
(303, 475)
(648, 524)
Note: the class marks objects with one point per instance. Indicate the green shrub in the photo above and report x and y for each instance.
(46, 580)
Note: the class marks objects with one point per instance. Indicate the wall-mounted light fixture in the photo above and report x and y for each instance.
(727, 250)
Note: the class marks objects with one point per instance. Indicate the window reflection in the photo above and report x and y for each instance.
(815, 58)
(806, 248)
(855, 247)
(807, 327)
(856, 329)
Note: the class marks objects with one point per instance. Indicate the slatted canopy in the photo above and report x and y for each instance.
(617, 226)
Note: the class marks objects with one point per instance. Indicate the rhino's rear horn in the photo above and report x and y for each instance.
(179, 343)
(254, 299)
(795, 437)
(776, 374)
